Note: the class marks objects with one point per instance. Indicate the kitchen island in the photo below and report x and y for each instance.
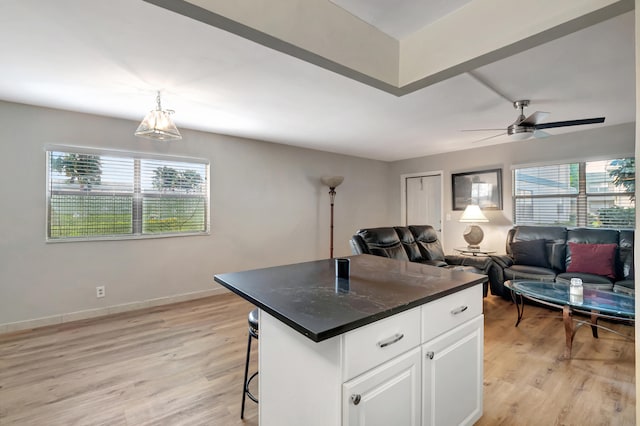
(397, 343)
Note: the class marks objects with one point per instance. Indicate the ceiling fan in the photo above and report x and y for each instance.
(531, 126)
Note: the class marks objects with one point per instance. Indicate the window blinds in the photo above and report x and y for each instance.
(593, 194)
(101, 194)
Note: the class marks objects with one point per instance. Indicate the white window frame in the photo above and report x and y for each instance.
(581, 197)
(137, 213)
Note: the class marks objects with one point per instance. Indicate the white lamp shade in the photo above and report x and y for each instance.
(332, 181)
(473, 214)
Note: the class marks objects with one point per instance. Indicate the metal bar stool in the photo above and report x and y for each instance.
(253, 333)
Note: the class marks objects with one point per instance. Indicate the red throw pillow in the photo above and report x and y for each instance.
(598, 259)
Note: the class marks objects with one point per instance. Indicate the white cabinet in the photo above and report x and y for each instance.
(451, 362)
(452, 372)
(421, 366)
(386, 395)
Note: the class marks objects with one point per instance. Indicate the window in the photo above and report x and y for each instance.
(95, 194)
(593, 193)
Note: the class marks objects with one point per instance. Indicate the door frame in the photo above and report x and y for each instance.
(403, 196)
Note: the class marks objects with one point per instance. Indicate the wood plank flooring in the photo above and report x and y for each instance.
(182, 364)
(528, 382)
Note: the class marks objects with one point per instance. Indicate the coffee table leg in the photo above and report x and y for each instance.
(519, 306)
(594, 324)
(568, 330)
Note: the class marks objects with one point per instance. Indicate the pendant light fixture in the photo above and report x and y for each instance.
(158, 125)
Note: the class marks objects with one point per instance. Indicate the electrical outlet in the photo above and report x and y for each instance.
(100, 291)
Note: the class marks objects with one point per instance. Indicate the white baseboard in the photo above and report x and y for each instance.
(108, 310)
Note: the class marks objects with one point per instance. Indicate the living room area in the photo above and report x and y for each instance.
(166, 344)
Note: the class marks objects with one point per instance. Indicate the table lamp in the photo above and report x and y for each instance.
(473, 234)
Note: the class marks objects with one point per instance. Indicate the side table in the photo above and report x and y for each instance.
(470, 257)
(473, 251)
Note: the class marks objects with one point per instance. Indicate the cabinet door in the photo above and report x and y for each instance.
(452, 374)
(386, 395)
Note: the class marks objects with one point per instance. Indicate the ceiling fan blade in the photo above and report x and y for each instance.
(490, 137)
(534, 118)
(481, 130)
(569, 123)
(540, 134)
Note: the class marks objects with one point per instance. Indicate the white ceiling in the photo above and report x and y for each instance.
(109, 58)
(400, 18)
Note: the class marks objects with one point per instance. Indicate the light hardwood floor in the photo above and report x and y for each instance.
(182, 364)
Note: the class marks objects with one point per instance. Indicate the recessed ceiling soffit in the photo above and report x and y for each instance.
(324, 34)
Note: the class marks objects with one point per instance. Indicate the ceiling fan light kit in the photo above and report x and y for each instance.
(526, 127)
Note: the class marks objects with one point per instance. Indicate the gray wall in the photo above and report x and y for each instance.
(598, 143)
(268, 207)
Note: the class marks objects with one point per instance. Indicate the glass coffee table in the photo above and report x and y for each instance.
(595, 303)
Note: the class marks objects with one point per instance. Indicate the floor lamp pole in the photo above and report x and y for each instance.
(332, 182)
(332, 194)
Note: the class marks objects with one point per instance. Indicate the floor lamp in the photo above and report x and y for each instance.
(332, 182)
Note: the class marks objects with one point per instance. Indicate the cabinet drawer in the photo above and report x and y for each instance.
(444, 314)
(373, 344)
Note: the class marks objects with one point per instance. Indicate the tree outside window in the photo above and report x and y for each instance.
(97, 194)
(592, 193)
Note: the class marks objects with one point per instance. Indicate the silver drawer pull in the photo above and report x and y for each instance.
(459, 310)
(391, 340)
(429, 355)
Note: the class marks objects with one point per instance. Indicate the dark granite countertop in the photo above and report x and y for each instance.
(309, 298)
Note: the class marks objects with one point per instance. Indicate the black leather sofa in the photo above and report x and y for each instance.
(418, 243)
(602, 258)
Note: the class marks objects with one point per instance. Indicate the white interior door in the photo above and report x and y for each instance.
(423, 200)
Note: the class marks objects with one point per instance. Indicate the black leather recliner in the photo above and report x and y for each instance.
(418, 243)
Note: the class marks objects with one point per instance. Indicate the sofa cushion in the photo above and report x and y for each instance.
(383, 242)
(481, 263)
(427, 239)
(532, 253)
(554, 236)
(409, 244)
(625, 286)
(438, 263)
(597, 282)
(591, 236)
(464, 269)
(525, 272)
(598, 259)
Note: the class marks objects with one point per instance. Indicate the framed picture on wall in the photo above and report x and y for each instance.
(483, 188)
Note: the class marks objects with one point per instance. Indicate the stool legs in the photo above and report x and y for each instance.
(246, 373)
(247, 380)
